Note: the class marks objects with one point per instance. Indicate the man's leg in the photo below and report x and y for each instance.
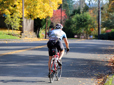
(61, 54)
(60, 48)
(49, 62)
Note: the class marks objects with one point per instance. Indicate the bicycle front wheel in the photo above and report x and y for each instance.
(59, 72)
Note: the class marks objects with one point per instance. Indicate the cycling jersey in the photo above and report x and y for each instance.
(56, 34)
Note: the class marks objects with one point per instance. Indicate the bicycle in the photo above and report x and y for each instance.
(55, 67)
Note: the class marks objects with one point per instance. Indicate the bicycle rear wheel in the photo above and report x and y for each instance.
(59, 72)
(52, 72)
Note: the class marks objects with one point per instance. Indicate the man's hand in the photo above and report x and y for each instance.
(67, 49)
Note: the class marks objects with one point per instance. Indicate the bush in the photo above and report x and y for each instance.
(107, 36)
(77, 24)
(112, 35)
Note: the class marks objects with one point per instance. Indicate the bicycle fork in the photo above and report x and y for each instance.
(54, 62)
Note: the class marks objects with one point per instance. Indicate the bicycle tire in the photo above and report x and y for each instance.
(52, 72)
(59, 72)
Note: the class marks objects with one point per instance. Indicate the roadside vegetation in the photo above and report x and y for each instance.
(79, 22)
(9, 34)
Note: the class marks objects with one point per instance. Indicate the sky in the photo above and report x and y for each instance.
(78, 0)
(104, 1)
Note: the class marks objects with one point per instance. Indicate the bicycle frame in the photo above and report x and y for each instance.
(55, 61)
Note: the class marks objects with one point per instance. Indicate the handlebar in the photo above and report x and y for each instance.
(67, 50)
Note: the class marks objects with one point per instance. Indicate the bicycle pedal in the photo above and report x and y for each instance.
(52, 75)
(54, 71)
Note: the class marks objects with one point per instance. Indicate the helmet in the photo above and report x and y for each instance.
(59, 26)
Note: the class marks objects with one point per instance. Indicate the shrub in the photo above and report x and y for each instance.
(107, 36)
(112, 35)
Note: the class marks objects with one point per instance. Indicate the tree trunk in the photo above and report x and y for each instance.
(46, 29)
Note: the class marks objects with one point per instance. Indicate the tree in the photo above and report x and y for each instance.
(111, 6)
(68, 6)
(57, 16)
(86, 8)
(68, 28)
(82, 21)
(13, 21)
(79, 23)
(109, 23)
(8, 22)
(76, 11)
(109, 16)
(33, 8)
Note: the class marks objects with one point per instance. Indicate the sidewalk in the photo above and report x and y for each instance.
(20, 40)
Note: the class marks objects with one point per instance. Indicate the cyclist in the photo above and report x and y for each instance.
(55, 40)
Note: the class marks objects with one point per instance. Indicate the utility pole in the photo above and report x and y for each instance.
(99, 18)
(80, 6)
(23, 16)
(61, 11)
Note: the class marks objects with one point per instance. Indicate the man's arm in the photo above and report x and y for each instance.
(66, 42)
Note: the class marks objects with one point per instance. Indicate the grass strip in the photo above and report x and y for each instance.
(109, 80)
(4, 35)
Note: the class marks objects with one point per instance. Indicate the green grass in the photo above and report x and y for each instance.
(4, 35)
(109, 81)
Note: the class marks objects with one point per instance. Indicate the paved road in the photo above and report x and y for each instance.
(25, 63)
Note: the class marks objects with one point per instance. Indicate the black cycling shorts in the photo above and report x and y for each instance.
(51, 44)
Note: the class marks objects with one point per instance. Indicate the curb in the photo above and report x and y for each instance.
(109, 80)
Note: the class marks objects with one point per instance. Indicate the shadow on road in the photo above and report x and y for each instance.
(24, 66)
(84, 68)
(37, 66)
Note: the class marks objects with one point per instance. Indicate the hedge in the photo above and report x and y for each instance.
(107, 36)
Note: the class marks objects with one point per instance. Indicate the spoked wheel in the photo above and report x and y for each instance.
(52, 76)
(59, 72)
(52, 72)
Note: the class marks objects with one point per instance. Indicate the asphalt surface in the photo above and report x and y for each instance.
(26, 63)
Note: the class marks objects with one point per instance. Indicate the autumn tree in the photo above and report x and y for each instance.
(111, 6)
(33, 9)
(57, 16)
(109, 16)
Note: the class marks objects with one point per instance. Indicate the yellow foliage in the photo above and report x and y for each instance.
(111, 7)
(32, 8)
(6, 11)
